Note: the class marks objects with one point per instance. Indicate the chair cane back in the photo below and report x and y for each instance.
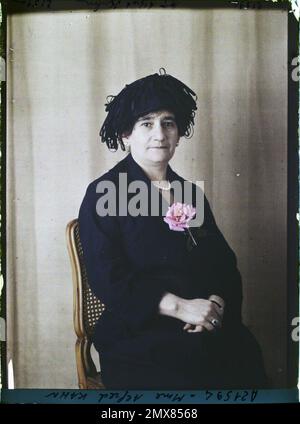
(87, 309)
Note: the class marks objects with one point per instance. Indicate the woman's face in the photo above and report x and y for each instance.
(154, 138)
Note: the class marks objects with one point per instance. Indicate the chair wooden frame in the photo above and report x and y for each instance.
(88, 377)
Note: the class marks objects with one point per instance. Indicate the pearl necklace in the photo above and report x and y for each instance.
(161, 187)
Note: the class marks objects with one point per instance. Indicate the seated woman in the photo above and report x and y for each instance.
(173, 294)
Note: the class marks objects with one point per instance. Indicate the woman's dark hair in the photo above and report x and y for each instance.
(149, 94)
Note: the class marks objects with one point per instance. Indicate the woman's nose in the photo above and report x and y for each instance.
(159, 133)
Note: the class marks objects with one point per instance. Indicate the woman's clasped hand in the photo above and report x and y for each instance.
(201, 315)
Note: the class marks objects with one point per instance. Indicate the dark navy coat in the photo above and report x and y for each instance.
(131, 262)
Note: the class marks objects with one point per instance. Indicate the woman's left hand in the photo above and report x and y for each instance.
(193, 328)
(190, 328)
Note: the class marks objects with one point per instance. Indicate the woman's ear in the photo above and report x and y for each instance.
(125, 134)
(126, 142)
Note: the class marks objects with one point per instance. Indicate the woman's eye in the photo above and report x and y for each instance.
(146, 124)
(169, 124)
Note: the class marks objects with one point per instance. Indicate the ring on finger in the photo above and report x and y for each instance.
(215, 322)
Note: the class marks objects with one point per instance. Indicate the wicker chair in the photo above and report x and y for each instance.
(86, 311)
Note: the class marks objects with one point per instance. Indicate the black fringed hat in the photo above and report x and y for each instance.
(149, 94)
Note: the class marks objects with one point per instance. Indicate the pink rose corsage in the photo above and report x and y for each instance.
(178, 217)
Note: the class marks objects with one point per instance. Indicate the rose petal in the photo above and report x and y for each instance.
(178, 215)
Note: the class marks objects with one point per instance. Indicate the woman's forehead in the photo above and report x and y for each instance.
(163, 114)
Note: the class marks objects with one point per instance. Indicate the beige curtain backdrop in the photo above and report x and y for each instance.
(61, 67)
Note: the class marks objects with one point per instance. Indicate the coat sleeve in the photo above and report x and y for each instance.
(132, 296)
(226, 279)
